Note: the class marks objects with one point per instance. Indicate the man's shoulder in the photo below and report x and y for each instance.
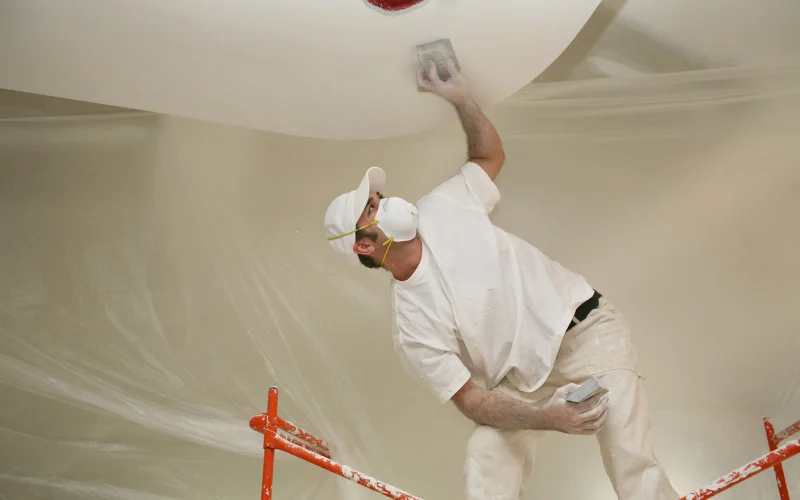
(469, 188)
(452, 183)
(445, 195)
(417, 303)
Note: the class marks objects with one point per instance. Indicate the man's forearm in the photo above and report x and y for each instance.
(483, 142)
(498, 410)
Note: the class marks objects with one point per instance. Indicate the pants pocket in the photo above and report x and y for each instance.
(603, 341)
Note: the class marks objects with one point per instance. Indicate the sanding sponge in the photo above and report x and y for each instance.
(588, 389)
(437, 51)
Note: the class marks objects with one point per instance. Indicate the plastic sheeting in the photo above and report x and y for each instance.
(159, 274)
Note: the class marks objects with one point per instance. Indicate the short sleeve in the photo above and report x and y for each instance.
(441, 371)
(470, 188)
(481, 185)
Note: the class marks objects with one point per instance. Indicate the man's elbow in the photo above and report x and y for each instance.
(500, 161)
(466, 399)
(492, 165)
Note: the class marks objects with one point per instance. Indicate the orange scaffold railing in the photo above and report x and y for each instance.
(287, 437)
(773, 459)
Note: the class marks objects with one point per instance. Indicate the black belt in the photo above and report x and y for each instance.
(584, 309)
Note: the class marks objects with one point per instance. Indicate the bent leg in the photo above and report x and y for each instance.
(498, 463)
(601, 346)
(626, 443)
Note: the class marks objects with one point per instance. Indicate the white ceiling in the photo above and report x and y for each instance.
(17, 105)
(315, 68)
(622, 38)
(635, 37)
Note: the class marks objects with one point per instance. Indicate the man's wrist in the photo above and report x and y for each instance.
(539, 418)
(460, 102)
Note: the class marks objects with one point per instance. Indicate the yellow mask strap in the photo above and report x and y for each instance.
(388, 244)
(374, 221)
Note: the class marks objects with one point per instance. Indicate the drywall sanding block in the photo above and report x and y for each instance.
(587, 389)
(437, 51)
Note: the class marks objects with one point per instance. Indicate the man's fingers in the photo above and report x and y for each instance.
(594, 412)
(451, 67)
(433, 75)
(428, 80)
(591, 427)
(596, 423)
(591, 421)
(422, 83)
(566, 389)
(590, 403)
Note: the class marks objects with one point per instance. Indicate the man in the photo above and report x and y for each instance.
(476, 306)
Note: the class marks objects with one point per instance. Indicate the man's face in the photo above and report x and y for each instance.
(370, 209)
(369, 239)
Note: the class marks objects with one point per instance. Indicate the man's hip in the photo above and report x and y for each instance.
(598, 340)
(599, 344)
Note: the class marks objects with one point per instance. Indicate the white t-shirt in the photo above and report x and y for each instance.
(482, 302)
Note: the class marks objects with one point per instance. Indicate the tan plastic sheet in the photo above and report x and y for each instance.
(159, 274)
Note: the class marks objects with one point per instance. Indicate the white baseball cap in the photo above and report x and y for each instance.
(344, 211)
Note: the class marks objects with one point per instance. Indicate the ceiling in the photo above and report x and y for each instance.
(621, 39)
(313, 67)
(15, 104)
(635, 37)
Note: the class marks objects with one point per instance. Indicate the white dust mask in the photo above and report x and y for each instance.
(397, 218)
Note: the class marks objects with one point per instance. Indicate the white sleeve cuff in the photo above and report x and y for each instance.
(445, 395)
(481, 185)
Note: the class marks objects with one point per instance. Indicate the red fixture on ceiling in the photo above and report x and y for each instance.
(394, 5)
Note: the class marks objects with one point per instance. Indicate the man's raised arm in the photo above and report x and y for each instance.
(483, 142)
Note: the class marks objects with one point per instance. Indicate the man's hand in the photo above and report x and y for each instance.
(483, 144)
(584, 418)
(453, 90)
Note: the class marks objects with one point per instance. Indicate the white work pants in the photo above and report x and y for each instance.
(499, 462)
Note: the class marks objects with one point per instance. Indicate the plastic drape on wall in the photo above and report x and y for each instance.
(160, 274)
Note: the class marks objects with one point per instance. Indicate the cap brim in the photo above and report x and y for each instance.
(374, 180)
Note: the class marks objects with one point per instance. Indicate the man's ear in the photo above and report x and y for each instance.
(364, 246)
